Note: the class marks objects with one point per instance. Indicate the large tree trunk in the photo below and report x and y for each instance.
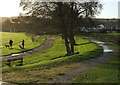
(67, 46)
(61, 15)
(72, 47)
(72, 41)
(72, 38)
(71, 35)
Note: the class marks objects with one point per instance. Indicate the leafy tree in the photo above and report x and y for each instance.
(62, 16)
(7, 25)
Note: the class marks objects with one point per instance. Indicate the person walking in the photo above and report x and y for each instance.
(10, 43)
(23, 43)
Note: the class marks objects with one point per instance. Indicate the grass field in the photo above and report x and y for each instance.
(106, 73)
(17, 38)
(113, 33)
(40, 67)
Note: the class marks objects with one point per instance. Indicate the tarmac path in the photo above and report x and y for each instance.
(108, 53)
(46, 45)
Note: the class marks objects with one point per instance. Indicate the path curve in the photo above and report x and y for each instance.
(108, 53)
(46, 45)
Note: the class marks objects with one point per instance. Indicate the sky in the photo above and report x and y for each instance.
(10, 8)
(110, 9)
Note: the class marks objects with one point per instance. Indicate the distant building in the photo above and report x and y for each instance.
(101, 26)
(106, 24)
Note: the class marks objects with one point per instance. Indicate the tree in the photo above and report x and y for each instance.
(7, 25)
(63, 16)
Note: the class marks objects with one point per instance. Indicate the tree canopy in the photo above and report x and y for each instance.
(60, 16)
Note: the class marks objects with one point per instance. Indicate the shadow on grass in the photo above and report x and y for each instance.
(57, 61)
(79, 57)
(10, 48)
(64, 56)
(83, 43)
(20, 51)
(17, 49)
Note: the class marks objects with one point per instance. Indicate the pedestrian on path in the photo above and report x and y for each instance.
(23, 43)
(10, 43)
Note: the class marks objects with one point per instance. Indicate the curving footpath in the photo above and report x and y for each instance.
(108, 53)
(48, 44)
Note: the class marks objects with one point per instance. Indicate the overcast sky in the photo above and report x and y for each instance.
(10, 8)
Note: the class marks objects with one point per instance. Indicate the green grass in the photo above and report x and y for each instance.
(113, 33)
(17, 38)
(53, 57)
(37, 76)
(106, 73)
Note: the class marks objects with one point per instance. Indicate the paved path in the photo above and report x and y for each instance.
(48, 44)
(5, 83)
(108, 53)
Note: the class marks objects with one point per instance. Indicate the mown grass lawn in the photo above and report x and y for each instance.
(34, 66)
(17, 38)
(106, 73)
(113, 33)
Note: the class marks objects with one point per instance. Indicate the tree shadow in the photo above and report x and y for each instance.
(19, 49)
(57, 57)
(86, 56)
(83, 43)
(19, 65)
(10, 48)
(64, 56)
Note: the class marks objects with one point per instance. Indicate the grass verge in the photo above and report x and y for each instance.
(35, 65)
(17, 38)
(106, 73)
(113, 33)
